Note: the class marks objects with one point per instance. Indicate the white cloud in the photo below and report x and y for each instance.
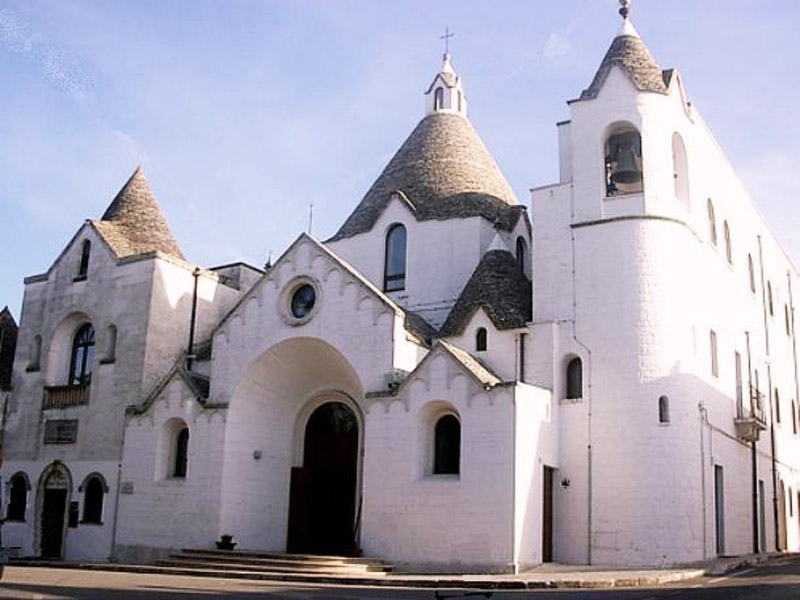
(556, 46)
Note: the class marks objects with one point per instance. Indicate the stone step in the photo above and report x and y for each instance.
(286, 557)
(183, 563)
(280, 562)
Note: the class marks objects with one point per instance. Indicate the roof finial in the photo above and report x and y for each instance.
(625, 9)
(446, 37)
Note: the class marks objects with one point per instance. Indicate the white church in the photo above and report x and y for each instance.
(452, 382)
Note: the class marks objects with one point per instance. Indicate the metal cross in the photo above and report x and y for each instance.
(626, 8)
(446, 37)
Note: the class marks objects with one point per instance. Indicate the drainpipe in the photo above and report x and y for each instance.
(753, 454)
(190, 350)
(588, 381)
(769, 399)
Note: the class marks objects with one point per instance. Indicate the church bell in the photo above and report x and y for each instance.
(626, 170)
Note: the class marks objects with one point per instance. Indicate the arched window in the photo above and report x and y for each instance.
(726, 231)
(480, 339)
(82, 360)
(522, 253)
(623, 161)
(574, 379)
(769, 299)
(17, 498)
(752, 273)
(394, 278)
(712, 223)
(680, 169)
(788, 320)
(94, 490)
(111, 344)
(447, 446)
(777, 407)
(181, 455)
(438, 99)
(83, 267)
(459, 101)
(794, 417)
(663, 410)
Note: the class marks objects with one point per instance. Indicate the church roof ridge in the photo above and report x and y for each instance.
(445, 171)
(134, 223)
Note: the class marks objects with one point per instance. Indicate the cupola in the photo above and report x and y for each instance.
(446, 92)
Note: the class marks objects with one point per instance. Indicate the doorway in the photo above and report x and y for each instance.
(719, 509)
(323, 492)
(547, 515)
(52, 520)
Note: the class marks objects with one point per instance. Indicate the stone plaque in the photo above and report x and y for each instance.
(126, 487)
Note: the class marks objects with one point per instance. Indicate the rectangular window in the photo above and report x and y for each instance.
(714, 362)
(719, 509)
(737, 359)
(60, 431)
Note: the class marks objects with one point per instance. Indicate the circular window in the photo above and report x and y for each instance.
(303, 300)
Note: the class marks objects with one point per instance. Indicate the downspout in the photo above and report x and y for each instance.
(117, 492)
(775, 514)
(192, 322)
(588, 393)
(753, 452)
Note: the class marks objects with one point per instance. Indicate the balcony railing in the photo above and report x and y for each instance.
(64, 396)
(749, 424)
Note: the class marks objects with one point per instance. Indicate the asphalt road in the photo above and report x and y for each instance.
(777, 580)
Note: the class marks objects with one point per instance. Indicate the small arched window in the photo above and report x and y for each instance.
(83, 267)
(394, 278)
(181, 455)
(751, 272)
(93, 492)
(726, 231)
(82, 359)
(481, 339)
(111, 344)
(438, 99)
(17, 498)
(623, 161)
(447, 446)
(770, 306)
(36, 353)
(680, 169)
(522, 253)
(712, 223)
(663, 410)
(459, 101)
(574, 379)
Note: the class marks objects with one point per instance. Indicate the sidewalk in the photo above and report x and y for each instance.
(549, 576)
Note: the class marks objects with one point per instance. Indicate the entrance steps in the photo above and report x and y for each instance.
(275, 564)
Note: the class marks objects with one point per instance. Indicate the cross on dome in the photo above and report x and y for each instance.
(625, 9)
(446, 37)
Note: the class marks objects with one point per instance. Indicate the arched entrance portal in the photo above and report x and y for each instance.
(323, 495)
(54, 492)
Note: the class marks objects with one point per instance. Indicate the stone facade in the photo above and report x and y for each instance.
(607, 381)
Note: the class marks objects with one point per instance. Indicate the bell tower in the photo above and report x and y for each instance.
(446, 93)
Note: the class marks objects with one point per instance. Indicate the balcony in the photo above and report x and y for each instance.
(749, 424)
(64, 396)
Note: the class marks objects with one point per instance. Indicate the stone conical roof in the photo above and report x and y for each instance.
(444, 171)
(630, 54)
(134, 224)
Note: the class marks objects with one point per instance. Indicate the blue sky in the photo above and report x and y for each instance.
(242, 113)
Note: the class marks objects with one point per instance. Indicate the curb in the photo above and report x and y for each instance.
(387, 581)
